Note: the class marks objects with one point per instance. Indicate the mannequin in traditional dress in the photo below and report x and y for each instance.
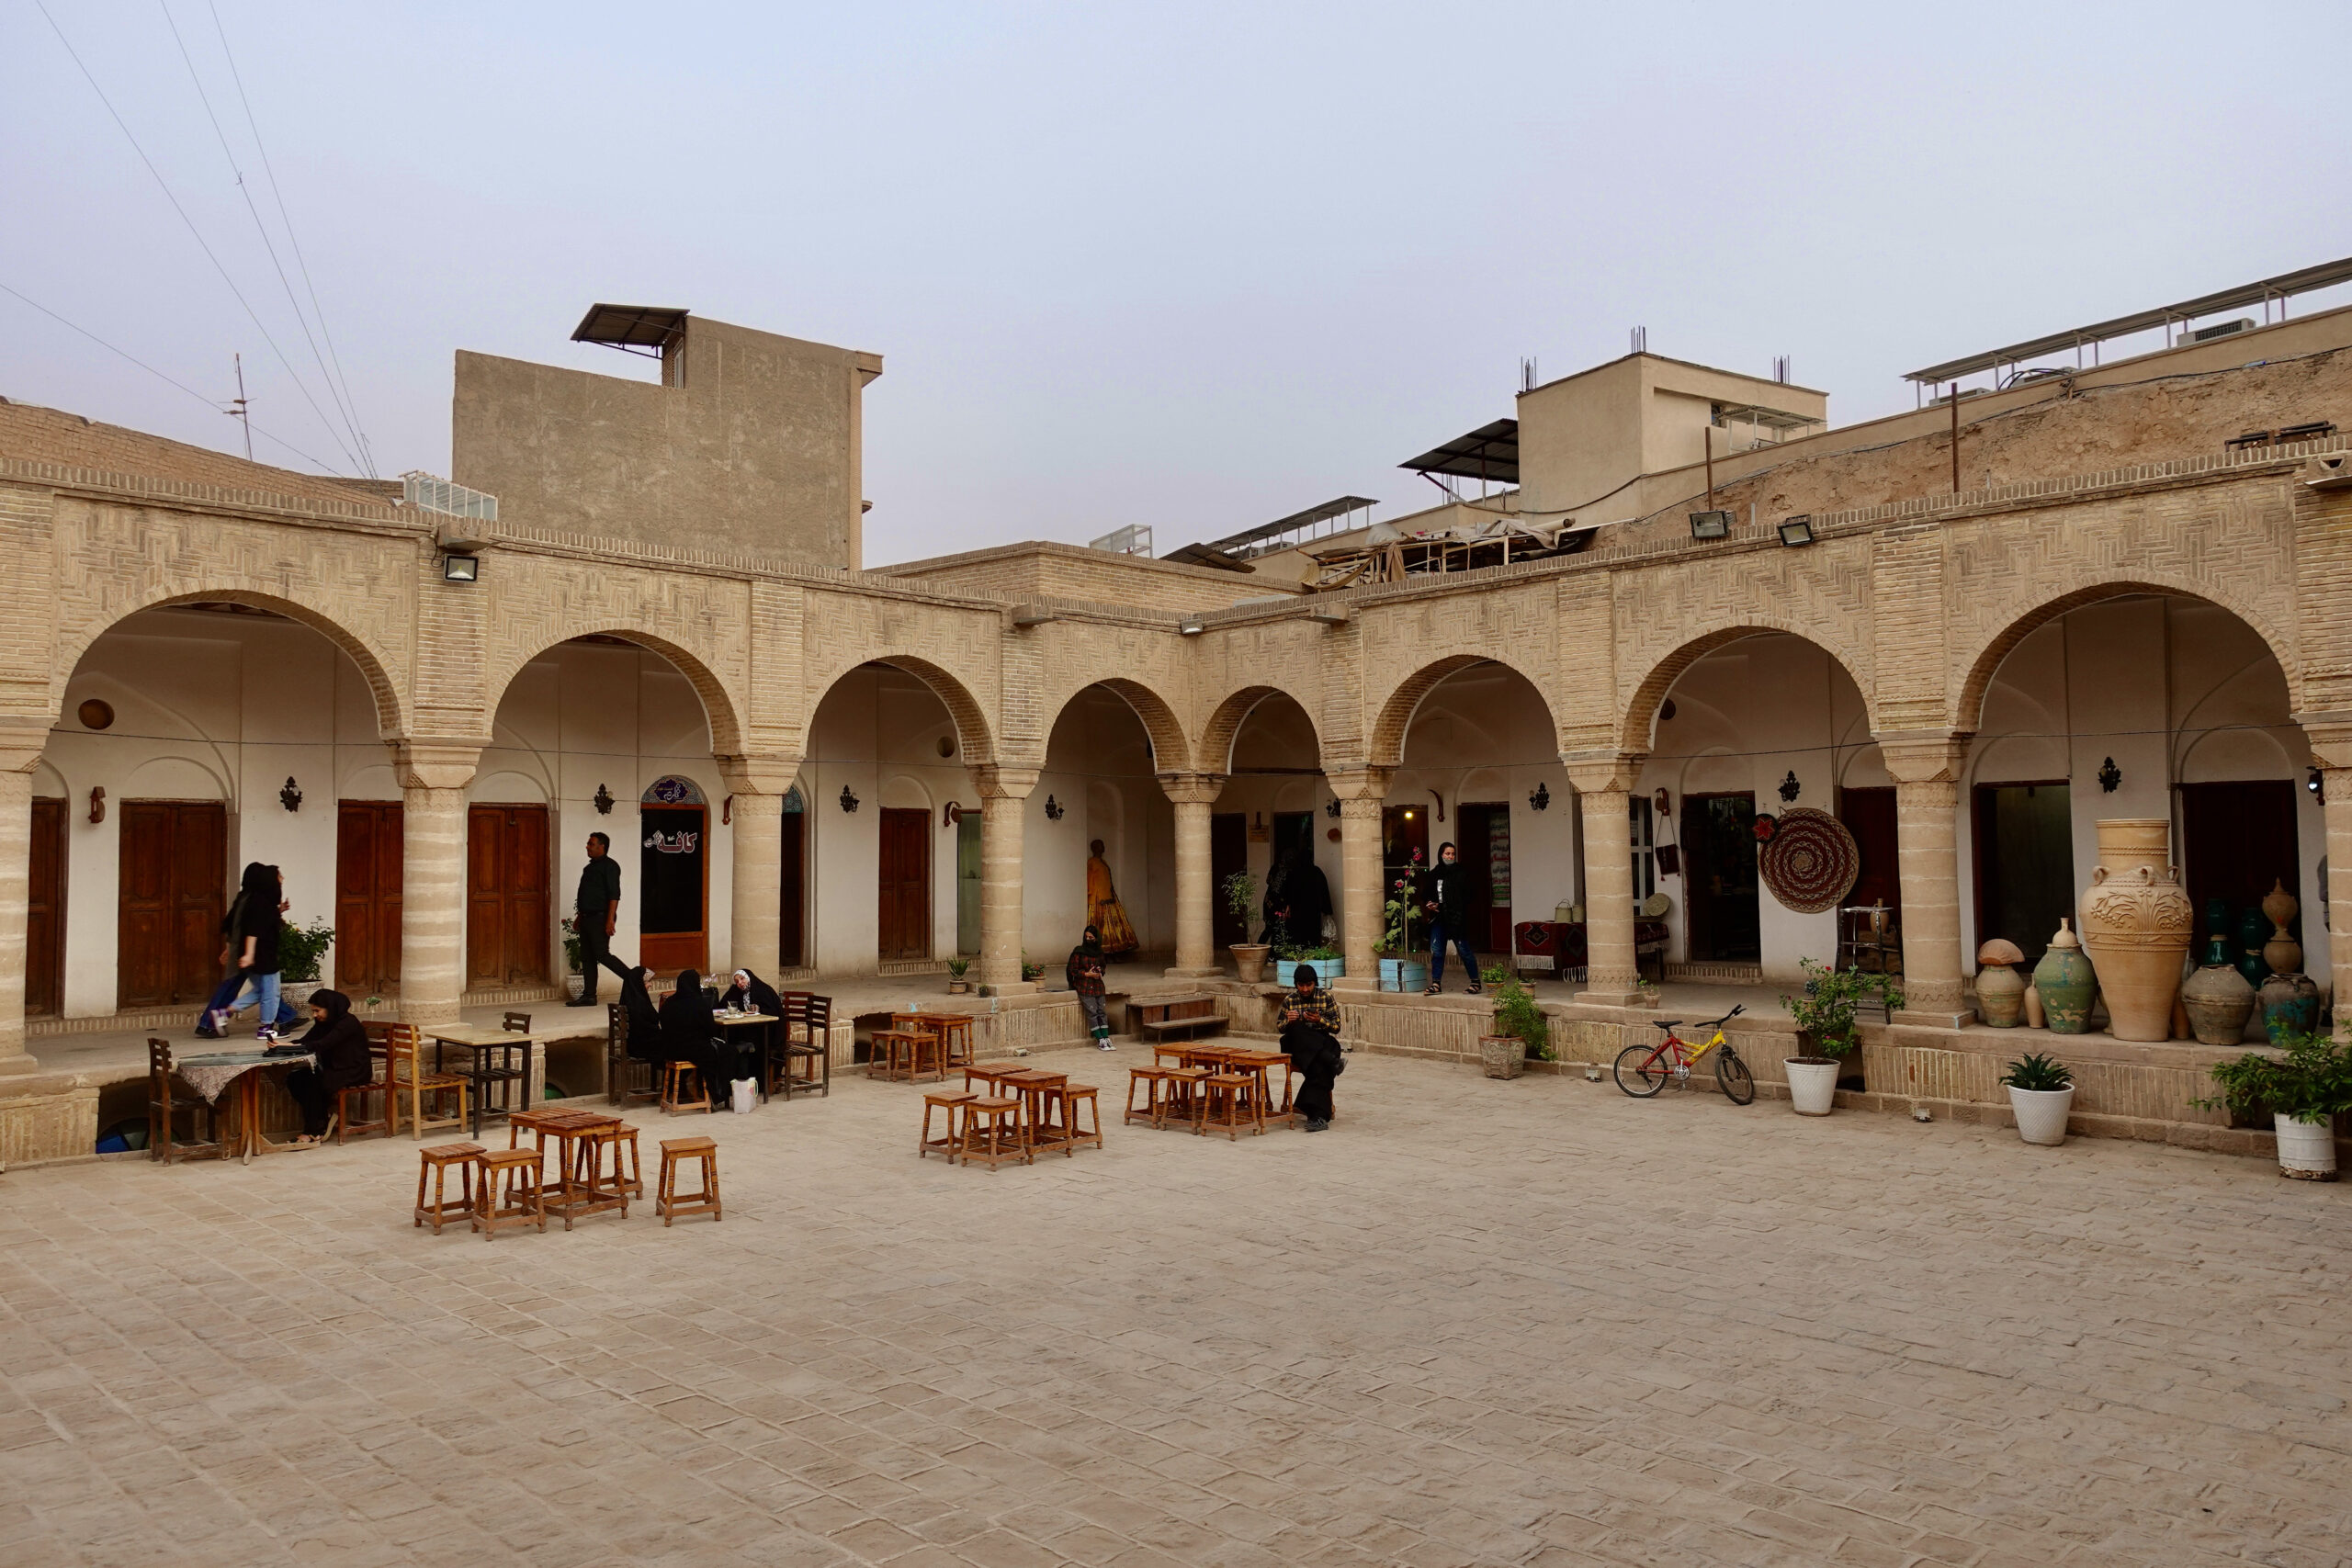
(1103, 910)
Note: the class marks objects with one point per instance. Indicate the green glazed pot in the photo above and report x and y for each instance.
(2065, 982)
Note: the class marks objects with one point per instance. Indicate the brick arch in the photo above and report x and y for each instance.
(1634, 728)
(719, 707)
(1171, 752)
(1386, 747)
(975, 742)
(1214, 751)
(1979, 667)
(385, 679)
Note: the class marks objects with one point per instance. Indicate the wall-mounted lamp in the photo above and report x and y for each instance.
(950, 813)
(1539, 797)
(97, 802)
(2109, 775)
(604, 799)
(1331, 807)
(727, 809)
(461, 568)
(2311, 783)
(1441, 805)
(1191, 625)
(290, 796)
(849, 801)
(1711, 524)
(1055, 810)
(1797, 530)
(1790, 788)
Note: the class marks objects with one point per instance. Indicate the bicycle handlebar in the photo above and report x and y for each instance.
(1719, 1022)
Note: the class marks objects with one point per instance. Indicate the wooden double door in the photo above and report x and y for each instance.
(904, 911)
(45, 911)
(173, 882)
(369, 847)
(507, 914)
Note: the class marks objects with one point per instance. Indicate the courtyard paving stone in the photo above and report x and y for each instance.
(1476, 1323)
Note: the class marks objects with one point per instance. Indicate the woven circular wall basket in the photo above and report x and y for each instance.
(1812, 861)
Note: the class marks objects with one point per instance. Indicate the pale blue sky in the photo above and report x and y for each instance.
(1192, 267)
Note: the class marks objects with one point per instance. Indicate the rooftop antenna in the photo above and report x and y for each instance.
(1527, 375)
(237, 409)
(1641, 340)
(1780, 369)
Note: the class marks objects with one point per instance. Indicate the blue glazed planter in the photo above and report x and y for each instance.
(1404, 974)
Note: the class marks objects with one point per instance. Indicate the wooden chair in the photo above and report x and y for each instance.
(410, 1077)
(668, 1201)
(675, 1077)
(951, 1101)
(164, 1102)
(436, 1163)
(511, 1192)
(515, 1022)
(345, 1123)
(628, 1079)
(807, 1055)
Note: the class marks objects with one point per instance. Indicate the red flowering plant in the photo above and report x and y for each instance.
(1398, 913)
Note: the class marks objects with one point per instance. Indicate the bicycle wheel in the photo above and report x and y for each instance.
(1642, 1070)
(1732, 1077)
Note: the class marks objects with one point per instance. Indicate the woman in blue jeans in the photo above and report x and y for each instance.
(1446, 897)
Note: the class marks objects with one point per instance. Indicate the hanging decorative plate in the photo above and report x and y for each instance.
(1810, 863)
(1764, 826)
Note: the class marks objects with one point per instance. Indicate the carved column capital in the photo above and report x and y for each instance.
(1603, 772)
(435, 765)
(1931, 756)
(1354, 785)
(756, 776)
(996, 783)
(1193, 789)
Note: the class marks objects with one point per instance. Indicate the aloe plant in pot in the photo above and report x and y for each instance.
(2305, 1086)
(1240, 897)
(2041, 1094)
(1824, 1014)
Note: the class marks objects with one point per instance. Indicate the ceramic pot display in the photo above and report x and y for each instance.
(2136, 922)
(2034, 1017)
(2000, 989)
(2251, 933)
(2290, 1004)
(2218, 998)
(2065, 982)
(2282, 952)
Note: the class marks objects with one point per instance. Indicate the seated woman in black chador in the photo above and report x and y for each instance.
(1310, 1035)
(640, 1016)
(689, 1033)
(339, 1042)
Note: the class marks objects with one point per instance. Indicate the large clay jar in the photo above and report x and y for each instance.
(2000, 990)
(2250, 936)
(2065, 982)
(2290, 1004)
(2136, 922)
(2217, 997)
(2282, 952)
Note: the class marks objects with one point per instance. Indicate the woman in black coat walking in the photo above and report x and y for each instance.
(339, 1042)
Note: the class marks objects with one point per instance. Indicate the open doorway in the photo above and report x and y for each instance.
(2025, 863)
(1719, 845)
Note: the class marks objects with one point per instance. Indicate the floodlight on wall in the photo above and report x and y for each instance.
(1711, 524)
(461, 569)
(1191, 625)
(1797, 530)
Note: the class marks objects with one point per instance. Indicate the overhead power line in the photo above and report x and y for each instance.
(197, 233)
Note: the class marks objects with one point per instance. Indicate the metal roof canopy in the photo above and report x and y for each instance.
(1771, 419)
(2283, 286)
(633, 329)
(1337, 507)
(1489, 452)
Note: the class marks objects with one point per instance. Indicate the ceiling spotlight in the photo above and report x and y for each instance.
(461, 569)
(1711, 524)
(1797, 530)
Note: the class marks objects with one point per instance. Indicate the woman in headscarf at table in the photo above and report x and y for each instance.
(643, 1021)
(690, 1034)
(339, 1042)
(751, 994)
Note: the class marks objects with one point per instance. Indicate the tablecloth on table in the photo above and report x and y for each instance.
(211, 1074)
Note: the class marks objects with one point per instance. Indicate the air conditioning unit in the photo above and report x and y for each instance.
(2219, 329)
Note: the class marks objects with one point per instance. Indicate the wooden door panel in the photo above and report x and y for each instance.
(904, 890)
(791, 910)
(527, 919)
(369, 869)
(485, 905)
(45, 911)
(174, 857)
(673, 887)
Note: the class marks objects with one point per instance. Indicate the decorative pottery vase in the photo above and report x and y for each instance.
(2290, 1004)
(2282, 952)
(2250, 937)
(2034, 1017)
(2218, 998)
(2000, 996)
(2136, 922)
(2217, 922)
(2065, 982)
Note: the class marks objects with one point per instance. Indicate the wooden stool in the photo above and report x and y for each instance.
(1260, 1066)
(436, 1162)
(579, 1190)
(1231, 1106)
(523, 1199)
(950, 1102)
(667, 1203)
(673, 1077)
(1041, 1108)
(1075, 1133)
(1187, 1098)
(993, 1133)
(615, 1135)
(1153, 1081)
(622, 1136)
(989, 1074)
(536, 1121)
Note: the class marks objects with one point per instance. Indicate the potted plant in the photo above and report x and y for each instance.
(1327, 961)
(956, 969)
(1400, 968)
(1824, 1015)
(2305, 1087)
(1031, 973)
(1240, 897)
(2041, 1092)
(301, 950)
(1519, 1030)
(571, 929)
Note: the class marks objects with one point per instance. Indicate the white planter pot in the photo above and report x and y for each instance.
(1813, 1086)
(2041, 1113)
(2306, 1149)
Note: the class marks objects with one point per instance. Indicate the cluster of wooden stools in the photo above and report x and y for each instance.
(1210, 1088)
(597, 1172)
(1009, 1112)
(919, 1045)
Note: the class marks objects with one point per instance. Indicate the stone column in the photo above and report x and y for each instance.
(1927, 771)
(1004, 796)
(2332, 751)
(757, 788)
(16, 893)
(1361, 793)
(1604, 791)
(1197, 895)
(433, 879)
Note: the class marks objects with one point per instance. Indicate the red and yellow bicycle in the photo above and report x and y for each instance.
(1643, 1070)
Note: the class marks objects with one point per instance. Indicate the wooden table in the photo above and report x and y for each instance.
(480, 1041)
(954, 1031)
(245, 1070)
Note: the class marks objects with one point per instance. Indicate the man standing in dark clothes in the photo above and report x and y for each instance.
(596, 909)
